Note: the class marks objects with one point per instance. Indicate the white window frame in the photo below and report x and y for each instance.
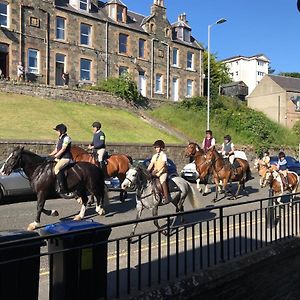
(84, 35)
(189, 88)
(190, 61)
(5, 15)
(34, 69)
(83, 3)
(175, 63)
(61, 29)
(158, 83)
(85, 70)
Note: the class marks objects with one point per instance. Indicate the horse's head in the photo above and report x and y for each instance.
(211, 155)
(13, 161)
(136, 178)
(130, 180)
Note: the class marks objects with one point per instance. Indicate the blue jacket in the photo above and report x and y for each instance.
(282, 164)
(98, 140)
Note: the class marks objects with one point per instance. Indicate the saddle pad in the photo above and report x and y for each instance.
(173, 186)
(240, 154)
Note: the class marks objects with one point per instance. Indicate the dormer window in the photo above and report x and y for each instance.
(186, 35)
(81, 4)
(181, 29)
(117, 11)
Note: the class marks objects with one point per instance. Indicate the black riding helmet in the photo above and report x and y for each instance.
(62, 128)
(227, 137)
(159, 143)
(97, 125)
(208, 131)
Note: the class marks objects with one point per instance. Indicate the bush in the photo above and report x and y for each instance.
(123, 87)
(296, 128)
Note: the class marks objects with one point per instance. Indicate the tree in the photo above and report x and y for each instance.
(219, 74)
(292, 74)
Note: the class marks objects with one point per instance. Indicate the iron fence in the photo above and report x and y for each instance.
(196, 240)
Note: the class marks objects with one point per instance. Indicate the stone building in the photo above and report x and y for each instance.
(93, 40)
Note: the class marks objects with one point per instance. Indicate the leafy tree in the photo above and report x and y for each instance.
(290, 74)
(219, 74)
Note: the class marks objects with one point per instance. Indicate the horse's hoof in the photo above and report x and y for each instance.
(79, 200)
(77, 218)
(54, 213)
(32, 226)
(100, 211)
(204, 194)
(214, 200)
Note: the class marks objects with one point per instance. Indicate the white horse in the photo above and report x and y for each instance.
(147, 196)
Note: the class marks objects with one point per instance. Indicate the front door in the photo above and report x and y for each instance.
(175, 89)
(142, 83)
(60, 68)
(4, 61)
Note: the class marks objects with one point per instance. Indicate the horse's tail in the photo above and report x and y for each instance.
(192, 196)
(130, 159)
(248, 173)
(105, 196)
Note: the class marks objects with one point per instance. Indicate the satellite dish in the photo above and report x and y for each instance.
(298, 4)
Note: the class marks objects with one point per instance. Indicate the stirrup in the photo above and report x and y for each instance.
(165, 200)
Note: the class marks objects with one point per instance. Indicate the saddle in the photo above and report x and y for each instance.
(285, 182)
(157, 187)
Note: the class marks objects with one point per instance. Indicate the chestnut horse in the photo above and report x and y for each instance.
(222, 171)
(275, 181)
(262, 171)
(193, 150)
(117, 164)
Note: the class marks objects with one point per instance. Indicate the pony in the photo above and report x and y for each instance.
(193, 150)
(274, 179)
(262, 171)
(222, 171)
(117, 164)
(81, 177)
(147, 195)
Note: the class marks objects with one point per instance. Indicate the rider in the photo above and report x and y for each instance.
(62, 155)
(228, 150)
(158, 168)
(98, 143)
(209, 141)
(282, 167)
(265, 161)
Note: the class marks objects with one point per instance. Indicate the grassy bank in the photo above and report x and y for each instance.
(32, 118)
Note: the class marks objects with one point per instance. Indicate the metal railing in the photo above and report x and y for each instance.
(205, 237)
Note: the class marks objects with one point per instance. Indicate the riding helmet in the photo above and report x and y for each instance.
(227, 137)
(281, 154)
(159, 143)
(208, 131)
(62, 128)
(97, 125)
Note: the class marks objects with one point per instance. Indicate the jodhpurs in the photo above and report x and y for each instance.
(163, 177)
(100, 154)
(61, 163)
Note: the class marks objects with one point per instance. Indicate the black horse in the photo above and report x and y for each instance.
(82, 177)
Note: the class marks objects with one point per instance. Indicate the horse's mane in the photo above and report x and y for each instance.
(35, 156)
(198, 148)
(143, 173)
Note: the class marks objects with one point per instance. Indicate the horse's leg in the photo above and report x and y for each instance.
(52, 213)
(198, 185)
(154, 214)
(99, 205)
(84, 198)
(40, 205)
(139, 209)
(206, 191)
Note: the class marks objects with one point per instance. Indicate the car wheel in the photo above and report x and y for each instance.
(1, 196)
(70, 195)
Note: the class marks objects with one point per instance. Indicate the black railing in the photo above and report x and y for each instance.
(207, 237)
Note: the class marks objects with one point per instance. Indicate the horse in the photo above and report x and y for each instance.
(147, 195)
(117, 164)
(222, 171)
(81, 177)
(274, 179)
(193, 150)
(262, 171)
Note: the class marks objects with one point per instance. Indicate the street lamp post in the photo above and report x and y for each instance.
(208, 68)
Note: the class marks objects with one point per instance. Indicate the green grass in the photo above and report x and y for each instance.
(244, 125)
(32, 118)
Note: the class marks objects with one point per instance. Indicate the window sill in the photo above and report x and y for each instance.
(191, 70)
(159, 93)
(175, 66)
(61, 41)
(86, 46)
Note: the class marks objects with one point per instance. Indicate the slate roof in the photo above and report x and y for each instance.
(289, 84)
(246, 57)
(116, 2)
(135, 21)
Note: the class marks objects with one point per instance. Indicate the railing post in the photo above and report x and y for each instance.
(270, 216)
(221, 236)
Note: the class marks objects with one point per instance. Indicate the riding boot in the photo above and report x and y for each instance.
(286, 182)
(61, 182)
(166, 196)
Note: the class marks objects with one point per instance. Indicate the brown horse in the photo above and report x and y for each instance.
(262, 171)
(275, 180)
(194, 151)
(223, 171)
(117, 164)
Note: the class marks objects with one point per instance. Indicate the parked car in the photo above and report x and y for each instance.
(172, 169)
(189, 172)
(113, 183)
(292, 163)
(16, 184)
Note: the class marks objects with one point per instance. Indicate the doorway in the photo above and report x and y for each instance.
(59, 68)
(142, 83)
(4, 61)
(175, 89)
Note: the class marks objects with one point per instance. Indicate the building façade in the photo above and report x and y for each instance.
(93, 40)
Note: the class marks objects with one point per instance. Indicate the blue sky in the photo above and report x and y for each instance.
(271, 27)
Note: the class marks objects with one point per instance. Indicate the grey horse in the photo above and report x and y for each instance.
(140, 180)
